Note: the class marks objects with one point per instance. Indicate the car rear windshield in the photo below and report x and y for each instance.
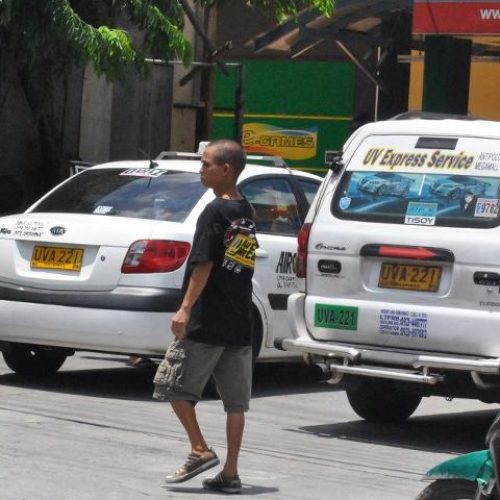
(137, 192)
(419, 199)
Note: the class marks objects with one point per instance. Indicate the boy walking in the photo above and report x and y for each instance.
(213, 326)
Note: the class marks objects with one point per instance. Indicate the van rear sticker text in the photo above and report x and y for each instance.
(488, 161)
(403, 323)
(392, 158)
(338, 317)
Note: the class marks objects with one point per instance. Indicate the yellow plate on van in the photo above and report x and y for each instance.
(409, 277)
(62, 258)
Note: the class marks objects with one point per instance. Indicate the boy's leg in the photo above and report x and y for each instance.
(233, 375)
(234, 429)
(186, 414)
(180, 379)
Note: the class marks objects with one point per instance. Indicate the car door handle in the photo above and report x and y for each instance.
(261, 254)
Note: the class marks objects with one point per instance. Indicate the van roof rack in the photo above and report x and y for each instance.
(276, 161)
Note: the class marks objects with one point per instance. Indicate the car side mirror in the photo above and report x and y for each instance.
(334, 161)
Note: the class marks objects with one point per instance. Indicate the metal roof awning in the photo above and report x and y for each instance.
(352, 21)
(353, 24)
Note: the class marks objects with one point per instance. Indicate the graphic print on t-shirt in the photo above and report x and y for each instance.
(240, 245)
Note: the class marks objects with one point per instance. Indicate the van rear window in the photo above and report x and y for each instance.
(418, 199)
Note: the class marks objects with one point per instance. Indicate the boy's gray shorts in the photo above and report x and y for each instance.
(188, 365)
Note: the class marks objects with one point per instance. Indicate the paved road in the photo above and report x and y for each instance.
(93, 432)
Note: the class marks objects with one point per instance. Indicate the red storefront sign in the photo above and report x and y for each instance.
(451, 17)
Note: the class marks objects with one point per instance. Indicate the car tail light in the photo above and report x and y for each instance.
(303, 240)
(155, 256)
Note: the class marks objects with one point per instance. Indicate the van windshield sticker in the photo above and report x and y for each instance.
(420, 213)
(486, 207)
(429, 199)
(344, 202)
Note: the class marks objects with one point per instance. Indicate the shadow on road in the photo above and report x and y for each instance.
(453, 432)
(248, 490)
(125, 382)
(445, 433)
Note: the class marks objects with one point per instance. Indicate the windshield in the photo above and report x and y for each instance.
(419, 199)
(137, 192)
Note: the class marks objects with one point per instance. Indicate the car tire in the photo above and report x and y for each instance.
(449, 489)
(380, 401)
(33, 361)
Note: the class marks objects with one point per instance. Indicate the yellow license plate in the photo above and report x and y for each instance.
(409, 277)
(66, 259)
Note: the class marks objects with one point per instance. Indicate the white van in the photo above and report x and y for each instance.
(400, 255)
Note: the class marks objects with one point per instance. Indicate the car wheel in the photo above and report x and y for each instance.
(381, 401)
(449, 489)
(33, 361)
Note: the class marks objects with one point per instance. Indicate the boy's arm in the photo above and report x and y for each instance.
(197, 282)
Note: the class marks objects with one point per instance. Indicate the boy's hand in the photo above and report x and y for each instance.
(197, 282)
(179, 323)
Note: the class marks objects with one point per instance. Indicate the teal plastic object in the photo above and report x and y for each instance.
(475, 466)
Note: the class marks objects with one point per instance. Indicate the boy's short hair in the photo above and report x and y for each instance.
(230, 152)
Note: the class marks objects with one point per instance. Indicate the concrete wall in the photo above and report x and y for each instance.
(128, 120)
(95, 123)
(186, 98)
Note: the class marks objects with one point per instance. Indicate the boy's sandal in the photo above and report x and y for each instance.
(223, 484)
(193, 466)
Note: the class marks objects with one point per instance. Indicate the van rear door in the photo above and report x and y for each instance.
(404, 252)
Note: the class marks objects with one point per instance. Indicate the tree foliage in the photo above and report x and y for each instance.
(50, 36)
(286, 8)
(44, 40)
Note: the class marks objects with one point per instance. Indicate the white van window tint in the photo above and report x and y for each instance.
(275, 205)
(168, 195)
(419, 199)
(310, 188)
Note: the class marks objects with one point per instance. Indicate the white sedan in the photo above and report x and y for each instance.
(97, 263)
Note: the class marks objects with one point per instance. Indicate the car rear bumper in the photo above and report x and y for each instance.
(81, 328)
(126, 298)
(378, 361)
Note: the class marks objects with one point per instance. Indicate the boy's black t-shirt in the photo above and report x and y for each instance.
(225, 235)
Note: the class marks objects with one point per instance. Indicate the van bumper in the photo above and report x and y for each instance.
(370, 361)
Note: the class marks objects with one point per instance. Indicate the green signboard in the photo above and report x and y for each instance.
(294, 109)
